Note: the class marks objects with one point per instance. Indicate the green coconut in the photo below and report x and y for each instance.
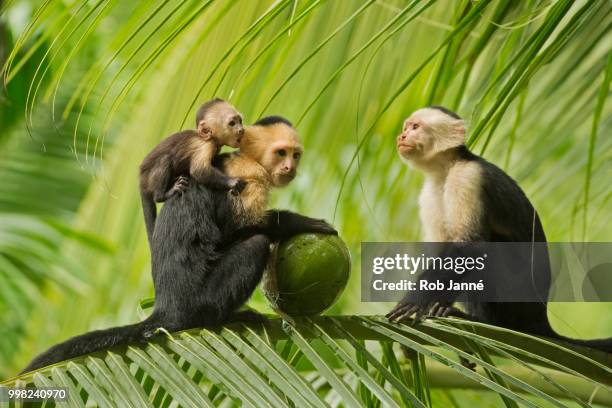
(312, 270)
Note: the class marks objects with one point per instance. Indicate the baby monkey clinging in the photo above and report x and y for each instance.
(190, 153)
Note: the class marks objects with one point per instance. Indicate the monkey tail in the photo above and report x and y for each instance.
(150, 213)
(91, 342)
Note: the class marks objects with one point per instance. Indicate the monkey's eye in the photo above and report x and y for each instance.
(232, 123)
(415, 126)
(297, 156)
(281, 152)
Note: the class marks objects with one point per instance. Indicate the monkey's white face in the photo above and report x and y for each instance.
(427, 132)
(277, 148)
(282, 160)
(414, 139)
(223, 124)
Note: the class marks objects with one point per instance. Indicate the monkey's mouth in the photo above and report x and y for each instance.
(284, 179)
(405, 147)
(237, 141)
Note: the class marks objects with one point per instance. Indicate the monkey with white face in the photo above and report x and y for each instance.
(467, 199)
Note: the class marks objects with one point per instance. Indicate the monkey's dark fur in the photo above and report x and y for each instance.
(507, 216)
(190, 275)
(272, 120)
(201, 274)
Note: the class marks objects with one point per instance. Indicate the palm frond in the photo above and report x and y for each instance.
(250, 364)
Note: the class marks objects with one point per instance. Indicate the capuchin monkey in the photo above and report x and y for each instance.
(467, 199)
(210, 248)
(190, 153)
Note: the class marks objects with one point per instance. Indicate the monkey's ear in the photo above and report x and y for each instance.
(204, 131)
(459, 128)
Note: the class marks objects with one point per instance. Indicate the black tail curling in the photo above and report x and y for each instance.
(89, 343)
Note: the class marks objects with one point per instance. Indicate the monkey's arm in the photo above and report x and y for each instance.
(233, 278)
(282, 224)
(215, 178)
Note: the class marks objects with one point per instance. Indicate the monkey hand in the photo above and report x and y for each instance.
(445, 309)
(402, 312)
(237, 185)
(321, 227)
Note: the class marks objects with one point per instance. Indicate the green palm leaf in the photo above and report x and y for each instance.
(240, 363)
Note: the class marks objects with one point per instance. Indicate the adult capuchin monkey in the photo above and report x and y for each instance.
(210, 248)
(467, 199)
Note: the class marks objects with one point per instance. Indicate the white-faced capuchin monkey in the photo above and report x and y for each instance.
(189, 153)
(210, 248)
(467, 199)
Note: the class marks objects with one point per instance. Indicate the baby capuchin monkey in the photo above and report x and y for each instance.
(190, 153)
(467, 199)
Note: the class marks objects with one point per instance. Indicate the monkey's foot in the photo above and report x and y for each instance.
(180, 185)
